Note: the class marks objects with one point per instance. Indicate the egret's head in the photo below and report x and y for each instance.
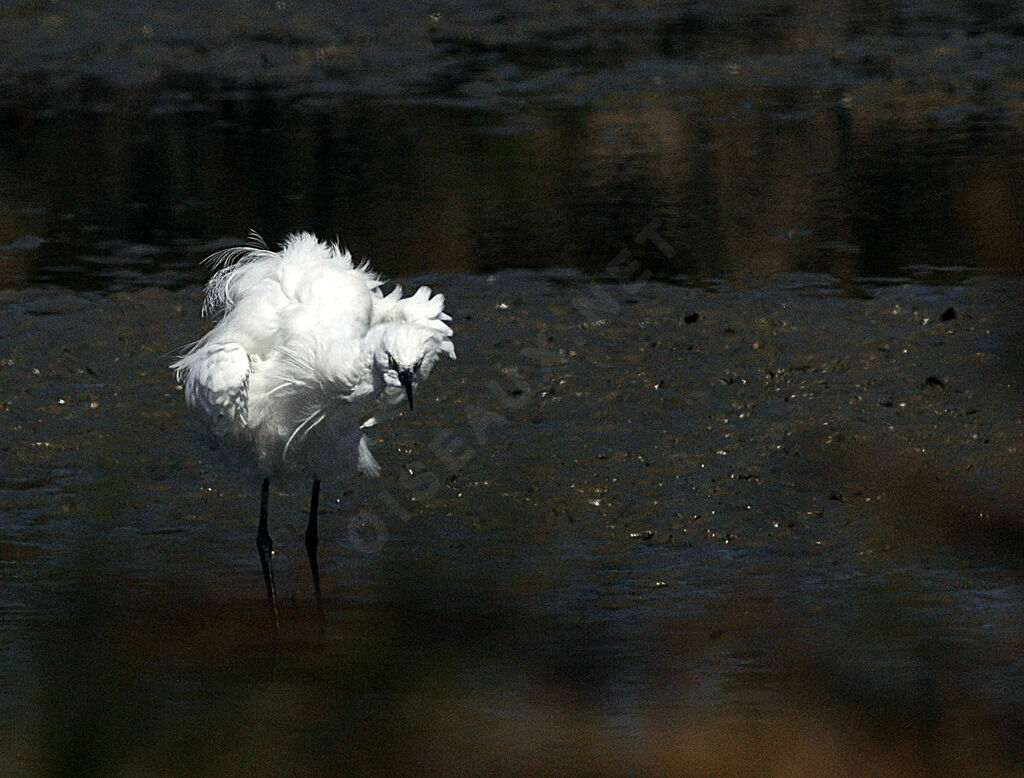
(408, 352)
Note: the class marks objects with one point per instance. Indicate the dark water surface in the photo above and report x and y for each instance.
(725, 479)
(759, 137)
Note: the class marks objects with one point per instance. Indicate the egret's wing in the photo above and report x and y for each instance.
(216, 379)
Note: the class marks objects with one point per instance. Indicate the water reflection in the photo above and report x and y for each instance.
(742, 184)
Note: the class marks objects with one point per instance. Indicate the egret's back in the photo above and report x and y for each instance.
(266, 298)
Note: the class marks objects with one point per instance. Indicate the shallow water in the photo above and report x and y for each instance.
(798, 494)
(724, 476)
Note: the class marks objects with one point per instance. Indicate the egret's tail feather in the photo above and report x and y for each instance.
(367, 464)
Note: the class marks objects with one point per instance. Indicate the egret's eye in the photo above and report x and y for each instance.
(392, 363)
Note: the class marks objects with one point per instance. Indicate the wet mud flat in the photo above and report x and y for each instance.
(633, 527)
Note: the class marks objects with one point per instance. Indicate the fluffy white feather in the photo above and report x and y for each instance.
(305, 339)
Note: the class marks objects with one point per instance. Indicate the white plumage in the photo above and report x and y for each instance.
(305, 341)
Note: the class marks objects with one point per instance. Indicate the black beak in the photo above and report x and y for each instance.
(405, 379)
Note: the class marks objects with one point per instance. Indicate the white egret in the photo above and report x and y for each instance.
(305, 340)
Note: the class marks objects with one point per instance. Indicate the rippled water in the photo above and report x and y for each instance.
(724, 476)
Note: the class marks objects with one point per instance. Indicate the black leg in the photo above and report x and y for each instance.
(266, 546)
(313, 543)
